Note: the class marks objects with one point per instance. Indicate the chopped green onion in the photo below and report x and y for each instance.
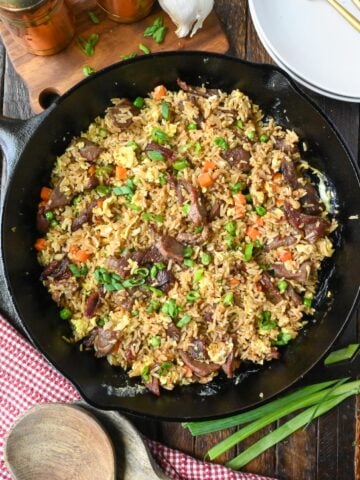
(283, 338)
(94, 18)
(198, 275)
(198, 229)
(230, 227)
(183, 321)
(165, 110)
(192, 296)
(88, 45)
(251, 134)
(260, 210)
(155, 155)
(170, 308)
(222, 143)
(124, 190)
(157, 31)
(65, 314)
(142, 272)
(192, 126)
(248, 198)
(128, 56)
(49, 215)
(188, 251)
(54, 223)
(189, 263)
(264, 137)
(186, 208)
(180, 164)
(139, 102)
(343, 354)
(133, 145)
(154, 306)
(133, 282)
(228, 299)
(159, 35)
(159, 136)
(237, 187)
(144, 49)
(156, 291)
(135, 313)
(265, 321)
(197, 148)
(205, 258)
(87, 71)
(239, 123)
(308, 301)
(145, 373)
(282, 286)
(160, 265)
(103, 189)
(248, 252)
(134, 207)
(78, 272)
(162, 179)
(164, 368)
(152, 217)
(155, 341)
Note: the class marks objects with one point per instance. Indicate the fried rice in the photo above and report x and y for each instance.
(182, 236)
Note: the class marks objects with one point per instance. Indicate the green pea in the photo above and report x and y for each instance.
(230, 227)
(282, 285)
(308, 301)
(260, 210)
(186, 208)
(264, 138)
(139, 102)
(192, 296)
(188, 251)
(189, 263)
(198, 275)
(228, 299)
(205, 258)
(65, 314)
(183, 321)
(192, 126)
(49, 215)
(237, 187)
(222, 143)
(155, 341)
(251, 134)
(239, 123)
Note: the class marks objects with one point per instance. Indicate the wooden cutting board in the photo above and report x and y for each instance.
(47, 76)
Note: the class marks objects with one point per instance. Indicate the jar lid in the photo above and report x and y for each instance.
(15, 5)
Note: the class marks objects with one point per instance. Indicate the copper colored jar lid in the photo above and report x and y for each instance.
(20, 5)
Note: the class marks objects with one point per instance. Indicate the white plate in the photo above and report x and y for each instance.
(312, 41)
(294, 76)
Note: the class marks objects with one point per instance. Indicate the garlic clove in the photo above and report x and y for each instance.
(188, 15)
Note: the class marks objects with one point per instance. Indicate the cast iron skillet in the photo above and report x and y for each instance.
(30, 148)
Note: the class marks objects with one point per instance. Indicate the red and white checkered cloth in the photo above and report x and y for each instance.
(26, 379)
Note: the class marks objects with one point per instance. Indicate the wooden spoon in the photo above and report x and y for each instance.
(67, 442)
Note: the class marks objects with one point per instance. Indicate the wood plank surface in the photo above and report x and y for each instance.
(330, 447)
(65, 69)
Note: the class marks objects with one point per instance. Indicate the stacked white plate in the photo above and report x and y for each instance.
(313, 43)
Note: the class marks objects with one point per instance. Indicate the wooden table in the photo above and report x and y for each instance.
(330, 447)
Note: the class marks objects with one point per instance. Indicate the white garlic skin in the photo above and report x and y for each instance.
(188, 15)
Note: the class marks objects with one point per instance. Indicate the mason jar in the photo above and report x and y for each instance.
(126, 11)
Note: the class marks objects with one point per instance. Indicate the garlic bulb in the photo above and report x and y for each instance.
(188, 15)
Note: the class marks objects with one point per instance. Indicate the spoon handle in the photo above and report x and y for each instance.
(349, 17)
(357, 3)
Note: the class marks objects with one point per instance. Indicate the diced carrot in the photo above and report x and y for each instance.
(92, 170)
(81, 256)
(277, 177)
(159, 92)
(279, 202)
(258, 287)
(205, 180)
(100, 203)
(253, 233)
(120, 172)
(240, 211)
(239, 199)
(188, 371)
(40, 244)
(234, 282)
(45, 193)
(73, 249)
(259, 221)
(285, 256)
(208, 166)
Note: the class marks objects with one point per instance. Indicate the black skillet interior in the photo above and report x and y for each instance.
(99, 383)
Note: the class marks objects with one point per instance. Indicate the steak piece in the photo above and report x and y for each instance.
(238, 157)
(201, 369)
(57, 198)
(84, 217)
(270, 290)
(91, 305)
(170, 248)
(312, 227)
(197, 213)
(58, 270)
(301, 275)
(90, 151)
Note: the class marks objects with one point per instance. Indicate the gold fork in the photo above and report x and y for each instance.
(349, 17)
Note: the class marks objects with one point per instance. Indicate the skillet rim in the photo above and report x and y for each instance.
(43, 116)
